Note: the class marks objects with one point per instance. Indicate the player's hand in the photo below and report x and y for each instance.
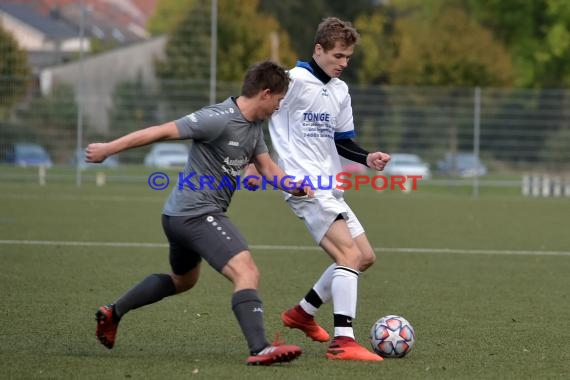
(377, 160)
(96, 153)
(251, 178)
(302, 190)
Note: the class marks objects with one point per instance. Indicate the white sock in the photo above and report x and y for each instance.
(323, 285)
(309, 309)
(344, 286)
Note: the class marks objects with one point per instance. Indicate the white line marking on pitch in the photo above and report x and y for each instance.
(290, 248)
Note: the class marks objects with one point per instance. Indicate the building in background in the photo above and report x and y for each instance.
(49, 29)
(117, 46)
(46, 40)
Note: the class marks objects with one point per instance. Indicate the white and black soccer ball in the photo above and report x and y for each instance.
(392, 336)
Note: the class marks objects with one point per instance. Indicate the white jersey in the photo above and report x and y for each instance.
(310, 117)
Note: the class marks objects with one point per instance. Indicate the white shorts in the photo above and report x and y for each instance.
(320, 212)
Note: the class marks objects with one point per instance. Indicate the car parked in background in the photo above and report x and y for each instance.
(406, 164)
(25, 154)
(463, 164)
(167, 155)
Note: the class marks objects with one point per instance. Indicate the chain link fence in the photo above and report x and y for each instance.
(515, 132)
(519, 129)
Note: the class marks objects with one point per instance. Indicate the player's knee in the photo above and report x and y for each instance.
(245, 274)
(250, 273)
(184, 283)
(367, 259)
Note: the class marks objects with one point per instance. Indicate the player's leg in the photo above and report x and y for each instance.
(185, 266)
(302, 316)
(338, 242)
(150, 290)
(320, 293)
(318, 214)
(318, 217)
(367, 256)
(225, 249)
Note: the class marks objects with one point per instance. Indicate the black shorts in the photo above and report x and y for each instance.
(211, 237)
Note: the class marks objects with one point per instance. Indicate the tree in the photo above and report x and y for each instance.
(134, 107)
(14, 71)
(245, 36)
(448, 49)
(537, 34)
(168, 14)
(377, 48)
(54, 119)
(300, 19)
(432, 46)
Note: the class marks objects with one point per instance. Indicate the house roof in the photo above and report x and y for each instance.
(46, 25)
(100, 25)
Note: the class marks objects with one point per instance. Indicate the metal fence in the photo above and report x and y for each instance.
(512, 130)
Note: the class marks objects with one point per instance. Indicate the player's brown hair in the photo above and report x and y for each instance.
(332, 29)
(265, 75)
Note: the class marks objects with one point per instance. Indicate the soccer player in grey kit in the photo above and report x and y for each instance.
(226, 137)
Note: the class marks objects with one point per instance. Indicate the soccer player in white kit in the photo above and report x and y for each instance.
(313, 125)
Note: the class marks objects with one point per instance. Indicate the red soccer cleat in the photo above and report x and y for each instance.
(275, 353)
(106, 326)
(297, 318)
(346, 348)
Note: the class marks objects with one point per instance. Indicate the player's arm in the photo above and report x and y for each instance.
(350, 150)
(252, 177)
(98, 152)
(265, 166)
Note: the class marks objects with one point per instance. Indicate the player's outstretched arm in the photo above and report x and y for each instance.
(350, 150)
(98, 152)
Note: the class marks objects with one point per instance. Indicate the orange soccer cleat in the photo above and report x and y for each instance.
(106, 326)
(346, 348)
(297, 318)
(275, 353)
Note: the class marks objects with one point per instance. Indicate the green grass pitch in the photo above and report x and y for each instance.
(485, 283)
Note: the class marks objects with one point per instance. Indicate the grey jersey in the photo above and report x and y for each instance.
(223, 143)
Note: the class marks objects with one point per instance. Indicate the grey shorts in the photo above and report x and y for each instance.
(212, 237)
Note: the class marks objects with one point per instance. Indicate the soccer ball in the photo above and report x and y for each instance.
(392, 336)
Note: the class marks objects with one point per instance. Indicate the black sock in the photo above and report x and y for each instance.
(313, 298)
(248, 310)
(341, 320)
(150, 290)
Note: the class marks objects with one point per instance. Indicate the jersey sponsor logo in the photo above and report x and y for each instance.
(236, 161)
(317, 116)
(233, 166)
(233, 143)
(324, 92)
